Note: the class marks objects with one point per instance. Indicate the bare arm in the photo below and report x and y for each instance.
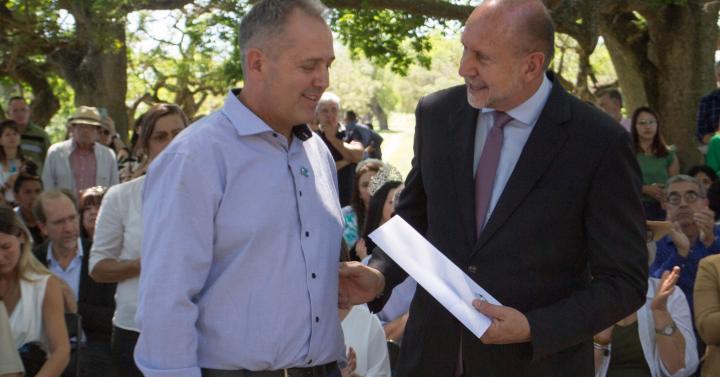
(674, 168)
(671, 348)
(54, 322)
(395, 329)
(113, 271)
(352, 152)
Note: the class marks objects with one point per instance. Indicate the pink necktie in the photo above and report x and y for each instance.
(487, 167)
(484, 180)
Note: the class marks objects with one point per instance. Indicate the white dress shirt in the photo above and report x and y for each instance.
(515, 135)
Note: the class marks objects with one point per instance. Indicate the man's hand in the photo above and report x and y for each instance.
(705, 221)
(358, 284)
(682, 243)
(349, 370)
(508, 325)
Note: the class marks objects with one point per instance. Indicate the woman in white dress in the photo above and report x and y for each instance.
(33, 299)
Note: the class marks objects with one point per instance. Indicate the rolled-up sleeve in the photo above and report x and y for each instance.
(109, 227)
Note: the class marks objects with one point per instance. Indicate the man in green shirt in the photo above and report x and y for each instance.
(34, 141)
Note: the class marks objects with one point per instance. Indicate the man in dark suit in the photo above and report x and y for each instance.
(534, 194)
(67, 255)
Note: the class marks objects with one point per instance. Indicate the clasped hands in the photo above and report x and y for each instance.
(360, 284)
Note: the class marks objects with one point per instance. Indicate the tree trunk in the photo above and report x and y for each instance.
(44, 104)
(379, 113)
(97, 68)
(667, 66)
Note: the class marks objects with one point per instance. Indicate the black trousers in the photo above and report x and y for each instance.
(122, 347)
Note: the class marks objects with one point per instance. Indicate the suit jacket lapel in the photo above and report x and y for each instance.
(544, 142)
(462, 133)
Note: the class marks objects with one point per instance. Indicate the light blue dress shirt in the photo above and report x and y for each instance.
(515, 135)
(240, 252)
(71, 274)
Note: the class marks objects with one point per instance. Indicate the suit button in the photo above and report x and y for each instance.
(472, 269)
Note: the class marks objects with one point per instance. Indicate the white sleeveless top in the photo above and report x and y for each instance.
(26, 320)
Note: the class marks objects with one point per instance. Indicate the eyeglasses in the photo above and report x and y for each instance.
(690, 198)
(647, 122)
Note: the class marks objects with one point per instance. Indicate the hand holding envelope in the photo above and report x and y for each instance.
(474, 307)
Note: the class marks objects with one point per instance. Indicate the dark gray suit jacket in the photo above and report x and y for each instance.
(570, 210)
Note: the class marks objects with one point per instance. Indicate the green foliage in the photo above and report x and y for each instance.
(385, 37)
(357, 80)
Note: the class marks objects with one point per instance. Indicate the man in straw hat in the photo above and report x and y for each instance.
(80, 162)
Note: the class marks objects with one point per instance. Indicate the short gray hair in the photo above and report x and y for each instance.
(684, 178)
(266, 20)
(329, 97)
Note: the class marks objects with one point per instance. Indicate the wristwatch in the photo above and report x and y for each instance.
(667, 330)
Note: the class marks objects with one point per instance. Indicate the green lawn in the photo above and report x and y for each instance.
(398, 144)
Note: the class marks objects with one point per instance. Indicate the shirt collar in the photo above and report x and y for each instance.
(529, 111)
(74, 146)
(246, 123)
(78, 254)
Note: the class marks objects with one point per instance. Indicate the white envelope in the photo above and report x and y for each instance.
(434, 272)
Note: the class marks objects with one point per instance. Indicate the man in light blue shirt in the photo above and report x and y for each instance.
(242, 223)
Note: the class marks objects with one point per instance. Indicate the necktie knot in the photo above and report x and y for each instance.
(500, 119)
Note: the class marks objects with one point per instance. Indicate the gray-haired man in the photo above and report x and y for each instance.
(242, 224)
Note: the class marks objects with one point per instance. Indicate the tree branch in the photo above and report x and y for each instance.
(157, 5)
(428, 8)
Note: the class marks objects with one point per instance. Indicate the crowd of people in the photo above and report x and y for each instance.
(682, 251)
(155, 258)
(73, 225)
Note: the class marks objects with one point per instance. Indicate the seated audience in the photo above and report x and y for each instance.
(10, 363)
(703, 173)
(34, 300)
(693, 237)
(655, 341)
(707, 177)
(34, 141)
(345, 151)
(66, 255)
(115, 255)
(611, 102)
(11, 156)
(385, 188)
(657, 161)
(363, 332)
(27, 187)
(354, 214)
(109, 138)
(707, 313)
(89, 205)
(370, 140)
(708, 113)
(80, 162)
(129, 164)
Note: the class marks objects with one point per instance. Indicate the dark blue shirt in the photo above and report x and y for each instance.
(667, 257)
(708, 114)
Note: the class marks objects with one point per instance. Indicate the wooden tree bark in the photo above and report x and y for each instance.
(665, 63)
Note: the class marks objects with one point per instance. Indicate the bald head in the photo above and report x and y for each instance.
(526, 22)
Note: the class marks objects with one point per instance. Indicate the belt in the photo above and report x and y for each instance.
(316, 371)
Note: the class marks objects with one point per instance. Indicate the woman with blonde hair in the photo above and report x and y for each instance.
(33, 300)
